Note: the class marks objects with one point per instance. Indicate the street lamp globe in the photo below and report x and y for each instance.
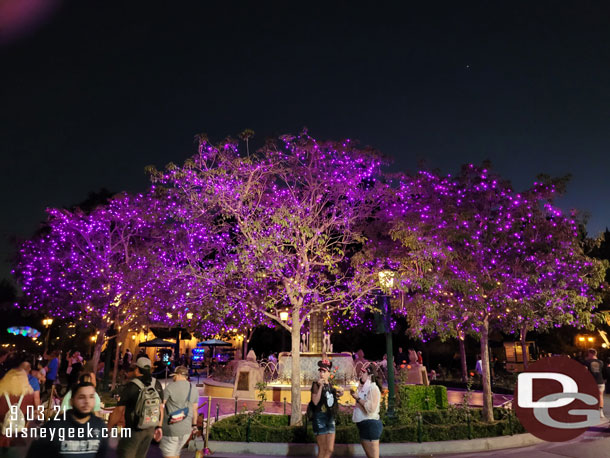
(386, 279)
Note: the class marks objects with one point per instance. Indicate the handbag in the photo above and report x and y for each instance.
(310, 411)
(178, 415)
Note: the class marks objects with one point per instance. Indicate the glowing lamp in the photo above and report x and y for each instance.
(581, 339)
(284, 316)
(386, 278)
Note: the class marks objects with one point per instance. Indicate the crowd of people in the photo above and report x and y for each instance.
(59, 394)
(51, 405)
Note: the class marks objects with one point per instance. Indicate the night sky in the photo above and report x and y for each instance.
(94, 91)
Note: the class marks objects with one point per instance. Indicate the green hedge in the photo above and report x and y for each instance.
(437, 425)
(419, 397)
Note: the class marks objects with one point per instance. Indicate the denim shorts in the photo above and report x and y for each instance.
(323, 424)
(370, 430)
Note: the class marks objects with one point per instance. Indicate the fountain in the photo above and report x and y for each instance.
(314, 346)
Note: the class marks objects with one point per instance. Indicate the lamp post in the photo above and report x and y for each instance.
(386, 281)
(47, 322)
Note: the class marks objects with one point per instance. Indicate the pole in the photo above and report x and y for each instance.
(206, 450)
(46, 339)
(384, 324)
(391, 385)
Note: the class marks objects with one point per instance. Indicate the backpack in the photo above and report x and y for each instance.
(148, 405)
(11, 425)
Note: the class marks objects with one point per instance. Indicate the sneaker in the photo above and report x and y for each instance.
(601, 413)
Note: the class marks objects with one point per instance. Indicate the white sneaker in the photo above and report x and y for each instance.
(601, 413)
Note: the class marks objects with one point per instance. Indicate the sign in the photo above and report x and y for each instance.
(557, 399)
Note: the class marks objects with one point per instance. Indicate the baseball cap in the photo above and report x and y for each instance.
(143, 362)
(180, 370)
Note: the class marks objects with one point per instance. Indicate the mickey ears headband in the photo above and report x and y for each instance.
(325, 364)
(368, 369)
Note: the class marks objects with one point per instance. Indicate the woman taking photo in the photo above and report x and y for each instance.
(323, 406)
(366, 411)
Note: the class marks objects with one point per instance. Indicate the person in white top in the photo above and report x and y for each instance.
(366, 411)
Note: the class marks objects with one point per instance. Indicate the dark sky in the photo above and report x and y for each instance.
(100, 89)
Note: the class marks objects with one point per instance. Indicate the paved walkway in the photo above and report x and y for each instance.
(595, 443)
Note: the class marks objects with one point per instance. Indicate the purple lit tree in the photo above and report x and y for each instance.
(420, 225)
(292, 215)
(555, 282)
(98, 269)
(511, 260)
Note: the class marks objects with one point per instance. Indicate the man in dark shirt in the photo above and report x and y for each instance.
(76, 433)
(401, 357)
(596, 367)
(137, 445)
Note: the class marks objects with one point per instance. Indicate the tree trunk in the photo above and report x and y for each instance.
(463, 364)
(486, 379)
(115, 369)
(97, 350)
(249, 335)
(524, 346)
(296, 416)
(244, 349)
(119, 338)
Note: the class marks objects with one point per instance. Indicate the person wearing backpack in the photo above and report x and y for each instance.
(140, 402)
(15, 390)
(180, 401)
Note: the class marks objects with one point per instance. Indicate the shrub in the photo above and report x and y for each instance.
(420, 397)
(437, 425)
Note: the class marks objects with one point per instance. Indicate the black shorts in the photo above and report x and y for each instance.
(370, 430)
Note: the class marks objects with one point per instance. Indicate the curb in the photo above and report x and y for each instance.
(385, 449)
